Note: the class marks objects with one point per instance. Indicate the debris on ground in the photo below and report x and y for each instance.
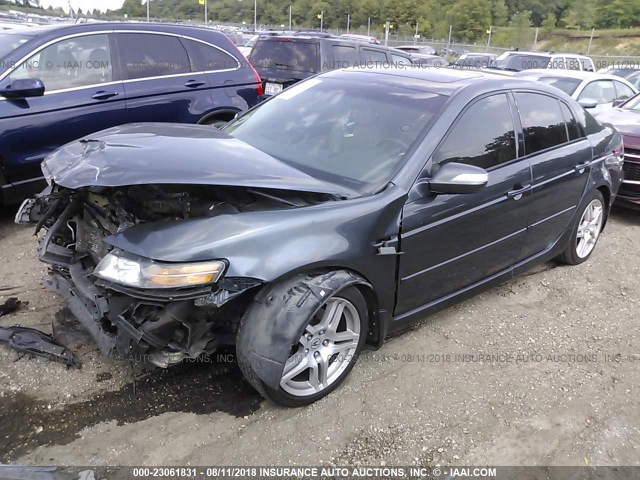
(30, 341)
(11, 305)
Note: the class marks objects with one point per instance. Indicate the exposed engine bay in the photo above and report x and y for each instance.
(160, 325)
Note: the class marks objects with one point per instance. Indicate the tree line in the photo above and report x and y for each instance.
(470, 19)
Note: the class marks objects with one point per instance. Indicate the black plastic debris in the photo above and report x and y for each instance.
(11, 305)
(34, 342)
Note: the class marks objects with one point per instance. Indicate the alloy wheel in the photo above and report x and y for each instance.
(324, 350)
(589, 228)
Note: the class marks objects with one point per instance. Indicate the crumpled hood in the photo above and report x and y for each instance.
(167, 153)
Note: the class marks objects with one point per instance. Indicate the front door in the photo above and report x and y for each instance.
(451, 242)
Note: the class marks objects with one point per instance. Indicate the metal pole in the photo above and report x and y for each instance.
(415, 37)
(348, 21)
(206, 20)
(368, 26)
(255, 15)
(449, 41)
(590, 40)
(489, 40)
(148, 2)
(321, 19)
(535, 39)
(289, 17)
(386, 33)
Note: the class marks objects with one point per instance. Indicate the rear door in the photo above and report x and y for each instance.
(560, 156)
(82, 95)
(283, 61)
(159, 84)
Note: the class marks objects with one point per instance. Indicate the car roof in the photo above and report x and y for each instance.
(546, 54)
(443, 81)
(575, 74)
(96, 26)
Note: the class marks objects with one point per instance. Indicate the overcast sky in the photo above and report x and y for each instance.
(84, 4)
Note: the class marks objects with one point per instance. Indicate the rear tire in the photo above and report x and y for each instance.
(323, 356)
(586, 231)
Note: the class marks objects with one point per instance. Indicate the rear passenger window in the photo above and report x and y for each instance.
(375, 56)
(343, 56)
(572, 124)
(151, 55)
(542, 121)
(573, 63)
(205, 58)
(483, 136)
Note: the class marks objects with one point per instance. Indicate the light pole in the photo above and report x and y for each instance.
(348, 21)
(255, 15)
(206, 20)
(368, 26)
(290, 18)
(148, 2)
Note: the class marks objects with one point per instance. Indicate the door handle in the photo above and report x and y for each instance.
(103, 95)
(581, 167)
(194, 83)
(516, 193)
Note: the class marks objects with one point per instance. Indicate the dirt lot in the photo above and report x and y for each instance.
(544, 370)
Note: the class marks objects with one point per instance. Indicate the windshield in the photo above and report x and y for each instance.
(8, 43)
(518, 62)
(285, 54)
(567, 85)
(347, 132)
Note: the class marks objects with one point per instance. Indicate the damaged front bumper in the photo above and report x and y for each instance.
(162, 326)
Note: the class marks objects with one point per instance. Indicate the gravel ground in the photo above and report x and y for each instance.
(543, 370)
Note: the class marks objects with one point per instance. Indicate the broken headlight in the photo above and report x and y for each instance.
(145, 273)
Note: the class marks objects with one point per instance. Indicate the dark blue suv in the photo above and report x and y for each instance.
(59, 83)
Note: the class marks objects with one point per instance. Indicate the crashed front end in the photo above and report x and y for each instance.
(154, 300)
(162, 312)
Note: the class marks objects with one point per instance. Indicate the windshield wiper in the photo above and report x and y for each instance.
(284, 66)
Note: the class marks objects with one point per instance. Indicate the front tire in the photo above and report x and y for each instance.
(322, 357)
(586, 230)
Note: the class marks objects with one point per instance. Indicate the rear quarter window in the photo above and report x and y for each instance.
(286, 55)
(205, 57)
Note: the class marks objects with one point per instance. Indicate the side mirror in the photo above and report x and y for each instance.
(588, 103)
(23, 88)
(454, 178)
(619, 101)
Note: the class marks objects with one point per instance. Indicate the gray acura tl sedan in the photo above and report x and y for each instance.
(321, 220)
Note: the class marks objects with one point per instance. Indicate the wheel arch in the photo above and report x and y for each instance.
(222, 114)
(278, 315)
(606, 195)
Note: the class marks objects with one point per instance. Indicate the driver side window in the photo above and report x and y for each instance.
(600, 91)
(74, 62)
(483, 136)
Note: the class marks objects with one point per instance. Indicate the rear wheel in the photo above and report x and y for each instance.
(322, 357)
(586, 231)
